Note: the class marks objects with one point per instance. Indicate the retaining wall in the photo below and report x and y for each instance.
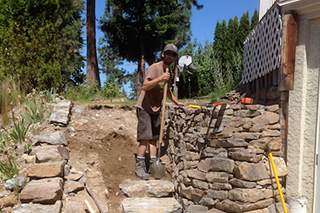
(218, 157)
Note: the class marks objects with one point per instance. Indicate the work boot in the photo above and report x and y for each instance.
(151, 161)
(140, 170)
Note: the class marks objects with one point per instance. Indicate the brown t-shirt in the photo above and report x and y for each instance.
(151, 100)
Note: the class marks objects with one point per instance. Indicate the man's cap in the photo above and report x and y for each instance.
(171, 47)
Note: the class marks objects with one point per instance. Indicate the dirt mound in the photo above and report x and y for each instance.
(117, 163)
(117, 156)
(103, 145)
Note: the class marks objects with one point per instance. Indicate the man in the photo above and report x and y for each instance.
(149, 107)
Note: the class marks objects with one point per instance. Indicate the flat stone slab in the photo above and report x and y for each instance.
(39, 208)
(151, 188)
(47, 153)
(55, 138)
(45, 191)
(151, 205)
(63, 105)
(61, 118)
(46, 170)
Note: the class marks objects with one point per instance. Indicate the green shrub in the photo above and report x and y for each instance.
(11, 95)
(9, 169)
(4, 141)
(27, 148)
(112, 90)
(33, 111)
(81, 93)
(20, 132)
(50, 95)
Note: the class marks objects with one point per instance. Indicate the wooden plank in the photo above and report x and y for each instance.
(288, 52)
(284, 103)
(275, 77)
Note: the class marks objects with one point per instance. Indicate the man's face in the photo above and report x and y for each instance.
(169, 57)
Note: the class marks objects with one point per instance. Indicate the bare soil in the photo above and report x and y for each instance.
(103, 144)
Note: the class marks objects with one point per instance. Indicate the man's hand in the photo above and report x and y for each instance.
(180, 104)
(165, 77)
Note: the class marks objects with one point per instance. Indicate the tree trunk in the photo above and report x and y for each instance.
(176, 72)
(92, 62)
(141, 71)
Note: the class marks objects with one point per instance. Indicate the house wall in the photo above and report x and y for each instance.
(265, 5)
(302, 113)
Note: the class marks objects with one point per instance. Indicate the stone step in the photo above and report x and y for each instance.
(150, 188)
(151, 205)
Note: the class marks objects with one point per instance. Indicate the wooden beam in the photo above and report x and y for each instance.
(288, 52)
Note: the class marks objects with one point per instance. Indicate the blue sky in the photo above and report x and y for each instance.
(203, 21)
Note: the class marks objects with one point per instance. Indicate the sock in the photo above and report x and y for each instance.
(140, 158)
(153, 159)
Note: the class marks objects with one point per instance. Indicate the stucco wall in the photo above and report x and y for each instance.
(302, 115)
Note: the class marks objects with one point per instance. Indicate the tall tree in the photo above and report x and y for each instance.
(110, 66)
(232, 33)
(136, 30)
(92, 61)
(244, 30)
(254, 19)
(221, 43)
(40, 42)
(115, 77)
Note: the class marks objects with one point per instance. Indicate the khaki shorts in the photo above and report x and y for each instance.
(148, 126)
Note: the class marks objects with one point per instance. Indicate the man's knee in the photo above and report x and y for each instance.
(154, 143)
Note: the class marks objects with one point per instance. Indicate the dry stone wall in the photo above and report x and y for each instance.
(218, 156)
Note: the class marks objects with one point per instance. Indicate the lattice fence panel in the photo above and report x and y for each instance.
(262, 47)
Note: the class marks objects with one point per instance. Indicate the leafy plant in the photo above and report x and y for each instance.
(27, 148)
(4, 141)
(81, 93)
(19, 133)
(9, 169)
(44, 51)
(33, 111)
(50, 95)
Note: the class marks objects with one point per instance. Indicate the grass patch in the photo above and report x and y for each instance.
(9, 168)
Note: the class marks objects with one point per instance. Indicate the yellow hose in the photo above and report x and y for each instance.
(277, 180)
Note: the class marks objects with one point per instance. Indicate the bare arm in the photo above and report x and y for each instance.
(174, 99)
(150, 84)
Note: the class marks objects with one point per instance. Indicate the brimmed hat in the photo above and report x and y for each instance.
(171, 47)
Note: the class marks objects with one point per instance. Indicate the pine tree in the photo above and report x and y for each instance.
(221, 43)
(136, 30)
(244, 30)
(110, 66)
(92, 60)
(254, 19)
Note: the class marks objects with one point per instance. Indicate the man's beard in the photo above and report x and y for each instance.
(166, 62)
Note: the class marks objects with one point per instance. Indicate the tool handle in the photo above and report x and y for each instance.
(277, 181)
(268, 147)
(194, 106)
(165, 90)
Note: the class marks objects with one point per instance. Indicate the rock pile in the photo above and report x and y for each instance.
(149, 196)
(225, 166)
(48, 179)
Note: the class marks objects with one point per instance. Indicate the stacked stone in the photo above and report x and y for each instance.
(48, 176)
(225, 166)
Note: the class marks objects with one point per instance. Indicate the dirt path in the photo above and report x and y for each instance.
(103, 144)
